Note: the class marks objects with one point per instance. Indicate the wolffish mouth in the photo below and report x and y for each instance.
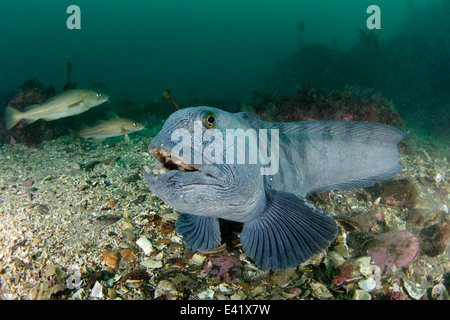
(169, 161)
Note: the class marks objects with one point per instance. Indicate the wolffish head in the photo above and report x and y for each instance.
(201, 172)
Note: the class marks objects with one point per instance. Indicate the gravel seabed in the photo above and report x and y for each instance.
(78, 222)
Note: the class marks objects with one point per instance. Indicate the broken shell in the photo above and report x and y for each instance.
(370, 270)
(167, 290)
(145, 245)
(97, 291)
(151, 264)
(413, 290)
(343, 250)
(439, 292)
(130, 255)
(320, 291)
(335, 258)
(207, 294)
(197, 259)
(368, 284)
(361, 295)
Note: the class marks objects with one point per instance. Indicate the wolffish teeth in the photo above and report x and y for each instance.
(188, 167)
(169, 161)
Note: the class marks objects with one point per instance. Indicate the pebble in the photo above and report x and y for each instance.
(72, 166)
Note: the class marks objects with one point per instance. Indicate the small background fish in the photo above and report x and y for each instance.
(66, 104)
(108, 128)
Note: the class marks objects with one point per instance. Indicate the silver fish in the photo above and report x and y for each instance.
(108, 128)
(66, 104)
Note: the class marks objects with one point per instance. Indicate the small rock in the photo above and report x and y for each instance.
(394, 248)
(132, 178)
(42, 209)
(72, 166)
(336, 260)
(432, 240)
(27, 183)
(91, 165)
(281, 278)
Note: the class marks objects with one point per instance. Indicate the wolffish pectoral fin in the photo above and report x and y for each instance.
(288, 232)
(199, 233)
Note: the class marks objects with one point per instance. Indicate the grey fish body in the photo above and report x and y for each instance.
(281, 228)
(334, 155)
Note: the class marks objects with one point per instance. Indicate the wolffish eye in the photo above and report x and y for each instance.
(209, 120)
(98, 95)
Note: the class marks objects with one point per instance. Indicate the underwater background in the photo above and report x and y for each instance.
(72, 207)
(220, 52)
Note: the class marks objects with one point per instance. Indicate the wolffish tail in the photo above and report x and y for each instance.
(288, 232)
(12, 116)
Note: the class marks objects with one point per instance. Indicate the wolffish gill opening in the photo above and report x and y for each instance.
(169, 161)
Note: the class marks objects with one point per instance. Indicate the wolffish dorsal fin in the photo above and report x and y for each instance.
(288, 232)
(250, 117)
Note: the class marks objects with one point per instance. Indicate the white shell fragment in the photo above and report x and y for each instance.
(152, 264)
(145, 245)
(361, 295)
(97, 291)
(368, 284)
(207, 294)
(414, 290)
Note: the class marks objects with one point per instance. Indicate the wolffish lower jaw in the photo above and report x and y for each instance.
(168, 161)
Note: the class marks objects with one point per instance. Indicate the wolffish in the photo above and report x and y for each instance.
(281, 228)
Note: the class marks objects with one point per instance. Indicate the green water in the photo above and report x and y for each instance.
(222, 51)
